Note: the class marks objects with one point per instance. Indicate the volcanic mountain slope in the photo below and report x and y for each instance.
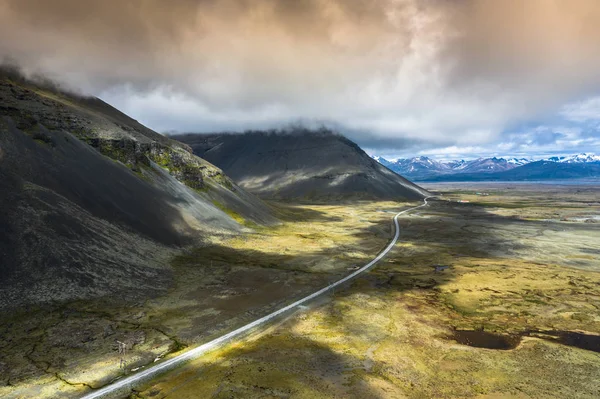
(301, 164)
(93, 203)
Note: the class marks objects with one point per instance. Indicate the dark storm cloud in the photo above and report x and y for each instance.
(395, 73)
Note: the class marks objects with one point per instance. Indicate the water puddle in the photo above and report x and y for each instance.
(489, 340)
(484, 339)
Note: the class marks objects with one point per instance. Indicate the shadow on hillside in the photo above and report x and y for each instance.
(298, 213)
(224, 256)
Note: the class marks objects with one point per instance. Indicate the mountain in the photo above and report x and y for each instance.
(457, 165)
(419, 166)
(578, 158)
(423, 167)
(538, 170)
(301, 164)
(383, 161)
(92, 203)
(490, 165)
(519, 161)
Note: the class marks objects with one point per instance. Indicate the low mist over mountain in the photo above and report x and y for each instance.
(92, 202)
(301, 164)
(584, 165)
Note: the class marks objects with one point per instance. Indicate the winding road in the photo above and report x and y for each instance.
(124, 386)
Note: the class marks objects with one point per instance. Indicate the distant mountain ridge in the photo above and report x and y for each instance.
(422, 168)
(578, 158)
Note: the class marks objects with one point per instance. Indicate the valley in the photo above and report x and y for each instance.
(318, 199)
(123, 248)
(515, 308)
(52, 351)
(487, 283)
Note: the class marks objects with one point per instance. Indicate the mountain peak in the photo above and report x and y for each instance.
(301, 165)
(583, 157)
(421, 167)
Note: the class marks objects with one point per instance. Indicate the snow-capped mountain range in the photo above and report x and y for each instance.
(579, 158)
(424, 168)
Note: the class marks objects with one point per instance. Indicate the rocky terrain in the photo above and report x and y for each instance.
(301, 164)
(92, 203)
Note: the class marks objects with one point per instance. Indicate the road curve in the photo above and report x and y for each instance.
(125, 385)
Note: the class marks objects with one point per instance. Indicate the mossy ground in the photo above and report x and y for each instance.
(389, 334)
(60, 350)
(232, 214)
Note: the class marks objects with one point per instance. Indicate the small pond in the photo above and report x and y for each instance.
(490, 340)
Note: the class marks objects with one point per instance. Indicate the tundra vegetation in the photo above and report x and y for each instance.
(516, 314)
(516, 306)
(65, 349)
(106, 271)
(120, 247)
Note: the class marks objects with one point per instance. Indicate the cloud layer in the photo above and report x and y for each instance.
(391, 73)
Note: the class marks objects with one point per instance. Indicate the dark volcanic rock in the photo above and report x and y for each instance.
(301, 164)
(93, 204)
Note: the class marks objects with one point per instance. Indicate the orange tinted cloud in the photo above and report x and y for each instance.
(441, 70)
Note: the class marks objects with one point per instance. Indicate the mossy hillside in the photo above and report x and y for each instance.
(37, 108)
(181, 165)
(188, 169)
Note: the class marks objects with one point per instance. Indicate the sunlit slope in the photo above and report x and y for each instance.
(301, 164)
(92, 202)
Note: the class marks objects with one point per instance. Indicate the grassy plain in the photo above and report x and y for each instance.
(515, 315)
(64, 349)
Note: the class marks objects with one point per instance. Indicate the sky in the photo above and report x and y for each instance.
(443, 78)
